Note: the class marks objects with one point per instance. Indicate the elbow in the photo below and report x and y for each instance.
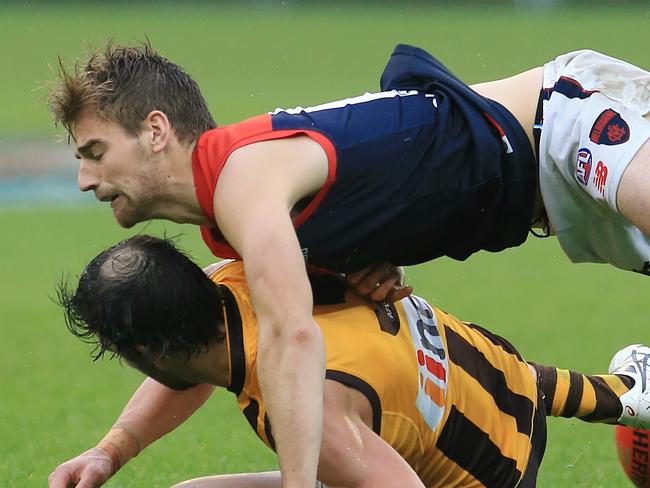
(289, 335)
(340, 464)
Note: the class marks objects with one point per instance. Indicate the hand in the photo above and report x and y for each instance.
(381, 281)
(90, 469)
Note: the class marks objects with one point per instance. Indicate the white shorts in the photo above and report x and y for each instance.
(593, 126)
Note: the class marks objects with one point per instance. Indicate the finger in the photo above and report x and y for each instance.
(400, 273)
(380, 280)
(381, 292)
(91, 478)
(398, 293)
(59, 479)
(357, 276)
(85, 483)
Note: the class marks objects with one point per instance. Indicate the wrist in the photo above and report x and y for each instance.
(120, 445)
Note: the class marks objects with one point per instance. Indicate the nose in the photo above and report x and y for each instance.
(88, 177)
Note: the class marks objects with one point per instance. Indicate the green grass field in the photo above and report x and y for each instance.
(56, 403)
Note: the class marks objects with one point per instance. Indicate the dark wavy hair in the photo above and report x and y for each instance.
(124, 84)
(143, 291)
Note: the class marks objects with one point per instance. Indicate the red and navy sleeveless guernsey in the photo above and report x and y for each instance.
(425, 168)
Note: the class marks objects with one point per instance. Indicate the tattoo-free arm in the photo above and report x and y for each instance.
(253, 200)
(153, 411)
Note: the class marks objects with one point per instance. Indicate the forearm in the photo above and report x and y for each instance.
(291, 375)
(153, 411)
(291, 352)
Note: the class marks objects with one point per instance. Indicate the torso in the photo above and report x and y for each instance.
(417, 408)
(411, 176)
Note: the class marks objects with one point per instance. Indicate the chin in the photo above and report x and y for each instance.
(125, 220)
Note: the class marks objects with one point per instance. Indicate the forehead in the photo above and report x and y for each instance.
(89, 125)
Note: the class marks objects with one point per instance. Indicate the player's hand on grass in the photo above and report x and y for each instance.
(381, 281)
(90, 469)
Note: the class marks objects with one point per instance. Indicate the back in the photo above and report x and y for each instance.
(456, 402)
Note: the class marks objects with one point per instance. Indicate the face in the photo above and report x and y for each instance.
(118, 167)
(173, 373)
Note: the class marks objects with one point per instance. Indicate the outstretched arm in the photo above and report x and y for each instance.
(255, 194)
(153, 411)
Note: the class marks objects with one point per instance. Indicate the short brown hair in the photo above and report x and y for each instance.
(124, 84)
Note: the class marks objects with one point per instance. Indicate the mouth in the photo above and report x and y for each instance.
(108, 198)
(113, 199)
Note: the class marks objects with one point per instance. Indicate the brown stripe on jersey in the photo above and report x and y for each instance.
(471, 448)
(235, 341)
(267, 431)
(608, 407)
(493, 380)
(537, 447)
(574, 396)
(252, 412)
(546, 381)
(497, 340)
(368, 391)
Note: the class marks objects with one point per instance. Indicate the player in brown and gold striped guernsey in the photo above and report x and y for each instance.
(414, 397)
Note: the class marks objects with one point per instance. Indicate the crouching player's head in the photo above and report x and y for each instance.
(147, 302)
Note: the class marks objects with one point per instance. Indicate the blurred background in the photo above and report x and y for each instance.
(249, 58)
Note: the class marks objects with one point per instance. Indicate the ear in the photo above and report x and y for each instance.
(158, 126)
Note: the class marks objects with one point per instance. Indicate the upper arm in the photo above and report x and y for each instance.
(633, 196)
(352, 455)
(264, 179)
(253, 199)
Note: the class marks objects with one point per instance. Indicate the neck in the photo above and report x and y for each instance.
(179, 202)
(212, 365)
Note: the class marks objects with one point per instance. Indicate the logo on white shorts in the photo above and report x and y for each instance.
(600, 177)
(583, 166)
(610, 129)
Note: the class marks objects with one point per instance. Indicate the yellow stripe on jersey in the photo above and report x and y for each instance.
(562, 390)
(588, 400)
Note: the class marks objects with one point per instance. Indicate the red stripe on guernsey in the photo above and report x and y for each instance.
(435, 368)
(211, 153)
(327, 145)
(500, 131)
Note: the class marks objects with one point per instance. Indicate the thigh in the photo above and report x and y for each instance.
(633, 197)
(268, 479)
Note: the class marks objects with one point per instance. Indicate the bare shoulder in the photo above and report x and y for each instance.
(298, 163)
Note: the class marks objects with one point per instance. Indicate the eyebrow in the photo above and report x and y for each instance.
(81, 150)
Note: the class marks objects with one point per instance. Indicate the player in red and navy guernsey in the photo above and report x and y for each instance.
(426, 167)
(426, 154)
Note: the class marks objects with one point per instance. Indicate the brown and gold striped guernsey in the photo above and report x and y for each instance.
(458, 403)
